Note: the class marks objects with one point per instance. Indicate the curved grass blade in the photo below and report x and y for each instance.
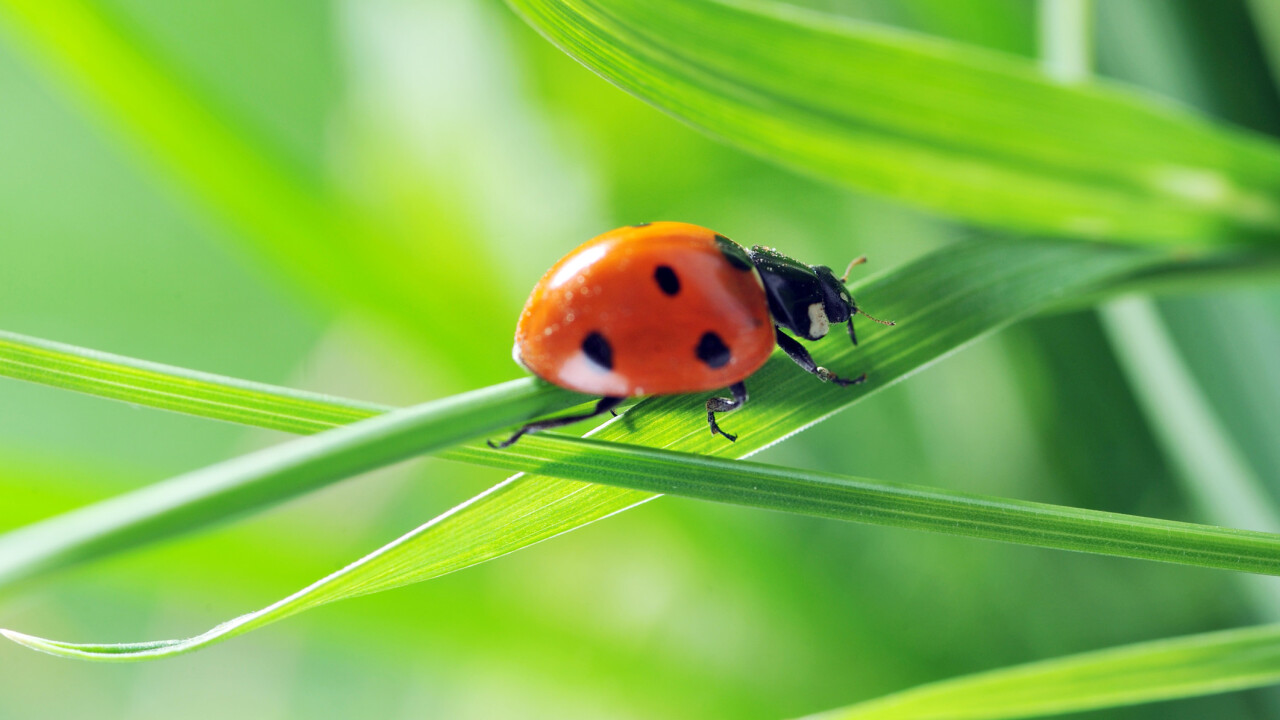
(942, 302)
(1145, 672)
(962, 131)
(194, 500)
(774, 488)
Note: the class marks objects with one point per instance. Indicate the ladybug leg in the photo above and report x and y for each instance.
(852, 337)
(606, 404)
(796, 352)
(719, 404)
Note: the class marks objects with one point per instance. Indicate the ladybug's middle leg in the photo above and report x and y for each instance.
(606, 404)
(719, 404)
(796, 351)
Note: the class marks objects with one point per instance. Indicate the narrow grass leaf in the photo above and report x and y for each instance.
(876, 502)
(1128, 675)
(962, 131)
(177, 389)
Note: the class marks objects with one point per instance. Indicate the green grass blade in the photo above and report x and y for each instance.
(1145, 672)
(177, 389)
(259, 480)
(942, 302)
(961, 131)
(876, 502)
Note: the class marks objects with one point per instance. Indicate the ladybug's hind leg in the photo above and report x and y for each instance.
(796, 352)
(605, 404)
(719, 404)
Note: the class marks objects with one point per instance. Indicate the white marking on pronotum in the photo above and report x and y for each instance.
(818, 324)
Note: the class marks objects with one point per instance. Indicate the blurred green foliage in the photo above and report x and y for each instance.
(474, 154)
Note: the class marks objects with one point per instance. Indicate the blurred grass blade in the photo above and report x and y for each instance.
(289, 213)
(962, 131)
(941, 302)
(1145, 672)
(258, 480)
(1266, 18)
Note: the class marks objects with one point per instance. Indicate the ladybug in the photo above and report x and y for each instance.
(666, 307)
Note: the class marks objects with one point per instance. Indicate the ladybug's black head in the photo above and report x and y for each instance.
(804, 299)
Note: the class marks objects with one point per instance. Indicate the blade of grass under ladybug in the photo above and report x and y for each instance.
(941, 302)
(876, 502)
(962, 131)
(1127, 675)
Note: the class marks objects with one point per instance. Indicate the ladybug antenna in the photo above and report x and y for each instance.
(864, 314)
(855, 262)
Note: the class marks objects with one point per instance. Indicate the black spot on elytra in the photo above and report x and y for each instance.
(667, 279)
(642, 224)
(734, 253)
(598, 351)
(712, 351)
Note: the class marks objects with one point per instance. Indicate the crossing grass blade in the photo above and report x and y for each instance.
(177, 389)
(1145, 672)
(961, 131)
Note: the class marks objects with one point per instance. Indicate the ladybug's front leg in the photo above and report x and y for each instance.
(719, 404)
(796, 351)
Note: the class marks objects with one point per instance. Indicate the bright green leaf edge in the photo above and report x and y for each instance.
(966, 132)
(1127, 675)
(942, 302)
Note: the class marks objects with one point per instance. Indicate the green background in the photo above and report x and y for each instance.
(486, 154)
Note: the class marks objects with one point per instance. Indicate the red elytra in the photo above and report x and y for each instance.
(654, 309)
